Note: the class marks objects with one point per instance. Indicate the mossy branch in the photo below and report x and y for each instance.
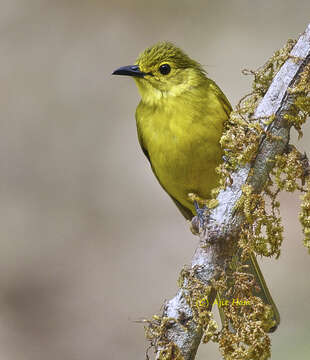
(186, 319)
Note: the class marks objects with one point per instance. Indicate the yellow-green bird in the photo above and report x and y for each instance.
(180, 121)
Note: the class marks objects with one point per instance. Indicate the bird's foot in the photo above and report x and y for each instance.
(201, 215)
(225, 157)
(199, 222)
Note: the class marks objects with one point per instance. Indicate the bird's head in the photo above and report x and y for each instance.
(162, 71)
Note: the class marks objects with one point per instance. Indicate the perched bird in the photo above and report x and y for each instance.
(180, 121)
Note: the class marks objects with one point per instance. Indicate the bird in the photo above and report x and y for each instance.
(180, 120)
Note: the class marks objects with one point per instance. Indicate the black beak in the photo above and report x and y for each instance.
(130, 70)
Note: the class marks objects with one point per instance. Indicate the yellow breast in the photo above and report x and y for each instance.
(182, 141)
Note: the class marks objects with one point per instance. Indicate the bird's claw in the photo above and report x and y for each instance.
(201, 214)
(225, 157)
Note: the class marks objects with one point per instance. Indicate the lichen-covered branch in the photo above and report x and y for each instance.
(186, 319)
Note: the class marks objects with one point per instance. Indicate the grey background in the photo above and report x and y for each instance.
(89, 241)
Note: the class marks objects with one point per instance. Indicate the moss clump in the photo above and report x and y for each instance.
(243, 132)
(300, 110)
(199, 297)
(156, 333)
(246, 319)
(249, 341)
(289, 170)
(264, 75)
(262, 232)
(170, 352)
(304, 216)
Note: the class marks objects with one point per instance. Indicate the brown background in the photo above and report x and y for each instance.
(89, 241)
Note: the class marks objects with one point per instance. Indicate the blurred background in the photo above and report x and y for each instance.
(89, 241)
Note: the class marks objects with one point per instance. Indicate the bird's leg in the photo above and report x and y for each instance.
(227, 166)
(201, 214)
(225, 157)
(199, 221)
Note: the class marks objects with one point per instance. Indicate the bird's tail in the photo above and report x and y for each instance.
(263, 292)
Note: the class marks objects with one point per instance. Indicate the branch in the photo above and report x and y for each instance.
(209, 261)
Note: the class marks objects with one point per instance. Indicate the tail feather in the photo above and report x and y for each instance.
(263, 292)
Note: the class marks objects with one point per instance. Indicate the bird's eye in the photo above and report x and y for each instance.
(164, 69)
